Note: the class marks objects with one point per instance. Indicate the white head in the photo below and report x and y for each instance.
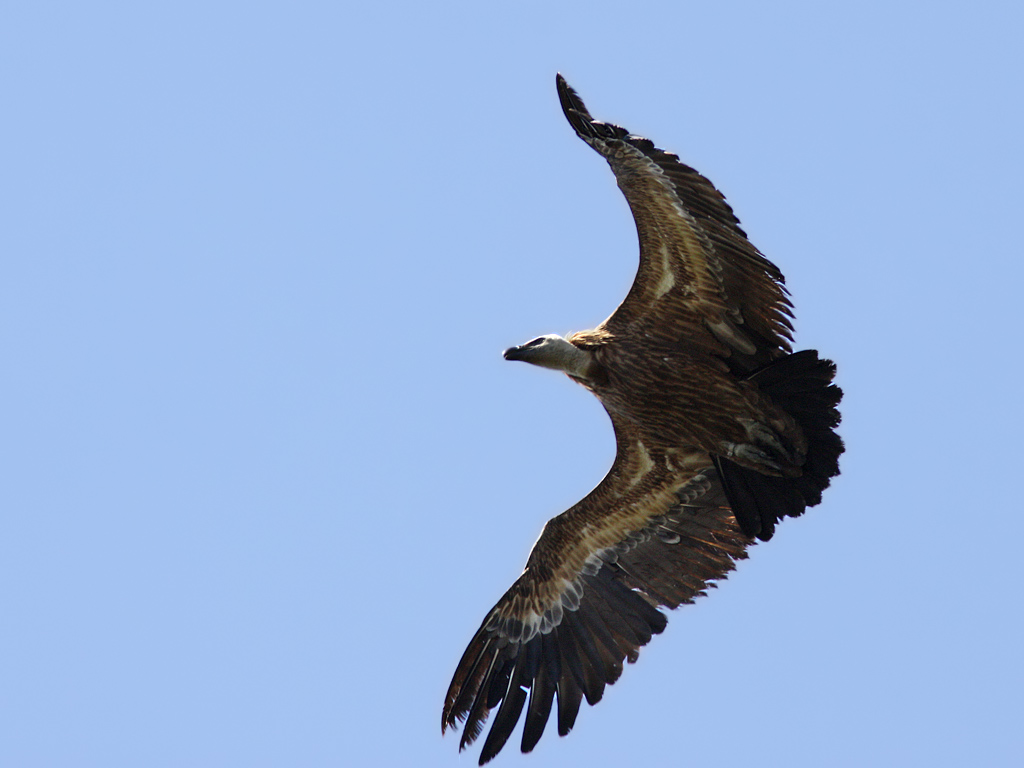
(553, 351)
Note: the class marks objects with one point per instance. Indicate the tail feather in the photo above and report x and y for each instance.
(801, 385)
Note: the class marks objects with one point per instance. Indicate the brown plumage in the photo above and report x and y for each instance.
(721, 431)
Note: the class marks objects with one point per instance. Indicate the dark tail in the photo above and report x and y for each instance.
(800, 384)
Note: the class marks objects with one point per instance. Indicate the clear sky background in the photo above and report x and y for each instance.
(264, 469)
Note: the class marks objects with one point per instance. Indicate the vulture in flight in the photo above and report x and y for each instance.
(721, 430)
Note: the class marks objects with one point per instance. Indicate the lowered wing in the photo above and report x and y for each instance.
(644, 538)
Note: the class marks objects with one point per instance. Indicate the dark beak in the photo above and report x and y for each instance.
(513, 353)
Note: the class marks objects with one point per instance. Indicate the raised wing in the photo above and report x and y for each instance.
(700, 279)
(588, 597)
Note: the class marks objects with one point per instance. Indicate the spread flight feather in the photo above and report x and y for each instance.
(720, 431)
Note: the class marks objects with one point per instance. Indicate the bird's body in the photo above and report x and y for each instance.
(659, 388)
(721, 431)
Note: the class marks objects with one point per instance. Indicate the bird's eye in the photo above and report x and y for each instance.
(535, 342)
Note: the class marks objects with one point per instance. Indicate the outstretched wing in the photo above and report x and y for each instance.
(588, 598)
(699, 279)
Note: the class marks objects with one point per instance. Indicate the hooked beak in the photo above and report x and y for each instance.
(513, 353)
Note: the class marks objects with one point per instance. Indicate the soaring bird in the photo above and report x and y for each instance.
(721, 430)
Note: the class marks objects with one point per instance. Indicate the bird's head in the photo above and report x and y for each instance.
(553, 351)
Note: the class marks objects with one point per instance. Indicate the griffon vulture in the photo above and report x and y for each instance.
(721, 431)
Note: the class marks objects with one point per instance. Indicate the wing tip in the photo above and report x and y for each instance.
(573, 108)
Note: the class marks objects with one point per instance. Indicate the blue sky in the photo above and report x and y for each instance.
(265, 469)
